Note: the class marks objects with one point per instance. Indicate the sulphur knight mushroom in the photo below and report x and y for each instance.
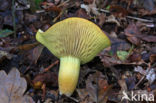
(75, 41)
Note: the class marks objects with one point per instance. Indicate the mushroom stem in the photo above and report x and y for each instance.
(68, 74)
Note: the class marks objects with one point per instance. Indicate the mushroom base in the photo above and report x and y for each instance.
(68, 75)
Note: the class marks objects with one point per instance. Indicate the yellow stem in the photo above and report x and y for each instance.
(68, 74)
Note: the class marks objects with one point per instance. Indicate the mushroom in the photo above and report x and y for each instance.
(75, 41)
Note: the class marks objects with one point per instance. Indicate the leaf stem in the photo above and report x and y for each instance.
(13, 18)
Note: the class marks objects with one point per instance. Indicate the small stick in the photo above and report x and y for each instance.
(77, 101)
(51, 65)
(63, 3)
(149, 67)
(130, 17)
(44, 91)
(139, 19)
(13, 17)
(59, 15)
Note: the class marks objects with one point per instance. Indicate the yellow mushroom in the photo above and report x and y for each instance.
(75, 41)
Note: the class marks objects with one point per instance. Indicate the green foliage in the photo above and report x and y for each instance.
(122, 55)
(35, 4)
(5, 33)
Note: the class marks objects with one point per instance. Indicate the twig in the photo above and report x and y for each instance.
(51, 65)
(105, 11)
(63, 3)
(149, 67)
(139, 19)
(57, 17)
(77, 101)
(130, 17)
(153, 65)
(13, 18)
(140, 81)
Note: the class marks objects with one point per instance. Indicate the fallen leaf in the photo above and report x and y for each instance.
(4, 55)
(88, 1)
(5, 33)
(148, 4)
(102, 18)
(82, 13)
(148, 38)
(54, 9)
(25, 47)
(144, 12)
(134, 40)
(109, 61)
(119, 44)
(29, 18)
(22, 5)
(57, 1)
(83, 93)
(135, 36)
(12, 88)
(47, 78)
(4, 5)
(35, 4)
(130, 81)
(118, 11)
(48, 6)
(135, 57)
(131, 31)
(122, 84)
(91, 8)
(122, 55)
(97, 89)
(8, 20)
(112, 19)
(149, 73)
(140, 70)
(153, 58)
(35, 53)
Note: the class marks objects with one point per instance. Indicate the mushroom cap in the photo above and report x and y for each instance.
(75, 37)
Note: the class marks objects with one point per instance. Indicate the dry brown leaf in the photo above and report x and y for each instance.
(12, 88)
(144, 12)
(102, 19)
(112, 19)
(131, 31)
(148, 38)
(26, 47)
(97, 89)
(135, 36)
(35, 53)
(91, 8)
(47, 78)
(54, 9)
(109, 61)
(88, 1)
(82, 13)
(153, 58)
(48, 6)
(149, 73)
(57, 1)
(135, 57)
(122, 84)
(5, 54)
(118, 11)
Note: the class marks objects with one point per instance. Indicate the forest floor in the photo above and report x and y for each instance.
(126, 68)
